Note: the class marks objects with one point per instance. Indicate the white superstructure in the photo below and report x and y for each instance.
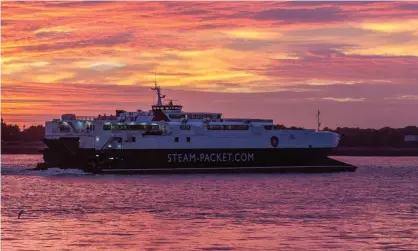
(167, 126)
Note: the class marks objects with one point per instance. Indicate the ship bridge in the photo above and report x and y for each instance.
(196, 115)
(168, 108)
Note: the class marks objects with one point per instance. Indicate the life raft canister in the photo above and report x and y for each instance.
(274, 141)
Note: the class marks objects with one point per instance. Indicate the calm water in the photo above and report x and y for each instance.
(375, 208)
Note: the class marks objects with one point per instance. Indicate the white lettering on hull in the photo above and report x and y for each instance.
(209, 157)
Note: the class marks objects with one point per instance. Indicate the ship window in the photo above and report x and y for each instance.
(188, 139)
(199, 116)
(176, 116)
(176, 139)
(136, 127)
(185, 127)
(119, 127)
(268, 127)
(130, 127)
(133, 139)
(279, 127)
(142, 127)
(228, 127)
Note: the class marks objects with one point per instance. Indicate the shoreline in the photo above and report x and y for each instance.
(376, 151)
(36, 147)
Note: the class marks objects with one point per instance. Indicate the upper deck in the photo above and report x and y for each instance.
(168, 114)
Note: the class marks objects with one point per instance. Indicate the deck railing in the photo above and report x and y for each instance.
(102, 117)
(88, 118)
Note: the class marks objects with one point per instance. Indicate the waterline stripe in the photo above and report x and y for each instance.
(218, 168)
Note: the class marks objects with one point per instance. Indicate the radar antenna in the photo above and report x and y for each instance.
(170, 101)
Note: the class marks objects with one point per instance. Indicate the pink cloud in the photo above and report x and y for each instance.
(55, 55)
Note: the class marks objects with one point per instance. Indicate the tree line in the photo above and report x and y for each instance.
(384, 137)
(14, 133)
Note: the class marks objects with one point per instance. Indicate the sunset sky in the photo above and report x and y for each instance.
(355, 61)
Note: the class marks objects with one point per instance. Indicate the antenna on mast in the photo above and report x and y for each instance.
(155, 77)
(318, 120)
(157, 89)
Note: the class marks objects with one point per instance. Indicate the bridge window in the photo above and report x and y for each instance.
(199, 116)
(193, 116)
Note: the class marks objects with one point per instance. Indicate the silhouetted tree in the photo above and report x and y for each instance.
(384, 137)
(33, 133)
(9, 132)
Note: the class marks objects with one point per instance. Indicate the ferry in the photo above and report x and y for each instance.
(167, 139)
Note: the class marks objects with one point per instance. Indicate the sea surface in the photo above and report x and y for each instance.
(374, 208)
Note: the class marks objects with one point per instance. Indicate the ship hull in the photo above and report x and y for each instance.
(66, 153)
(160, 161)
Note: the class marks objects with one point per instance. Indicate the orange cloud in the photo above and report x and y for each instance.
(219, 47)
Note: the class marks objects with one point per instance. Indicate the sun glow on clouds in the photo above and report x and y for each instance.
(253, 34)
(62, 29)
(408, 97)
(345, 99)
(400, 26)
(103, 66)
(218, 47)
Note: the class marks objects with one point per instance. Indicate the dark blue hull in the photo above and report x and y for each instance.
(308, 160)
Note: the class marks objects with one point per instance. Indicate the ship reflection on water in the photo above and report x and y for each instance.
(372, 208)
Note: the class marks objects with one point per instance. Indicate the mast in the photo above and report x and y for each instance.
(157, 89)
(318, 120)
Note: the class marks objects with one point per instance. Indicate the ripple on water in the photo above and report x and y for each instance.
(374, 208)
